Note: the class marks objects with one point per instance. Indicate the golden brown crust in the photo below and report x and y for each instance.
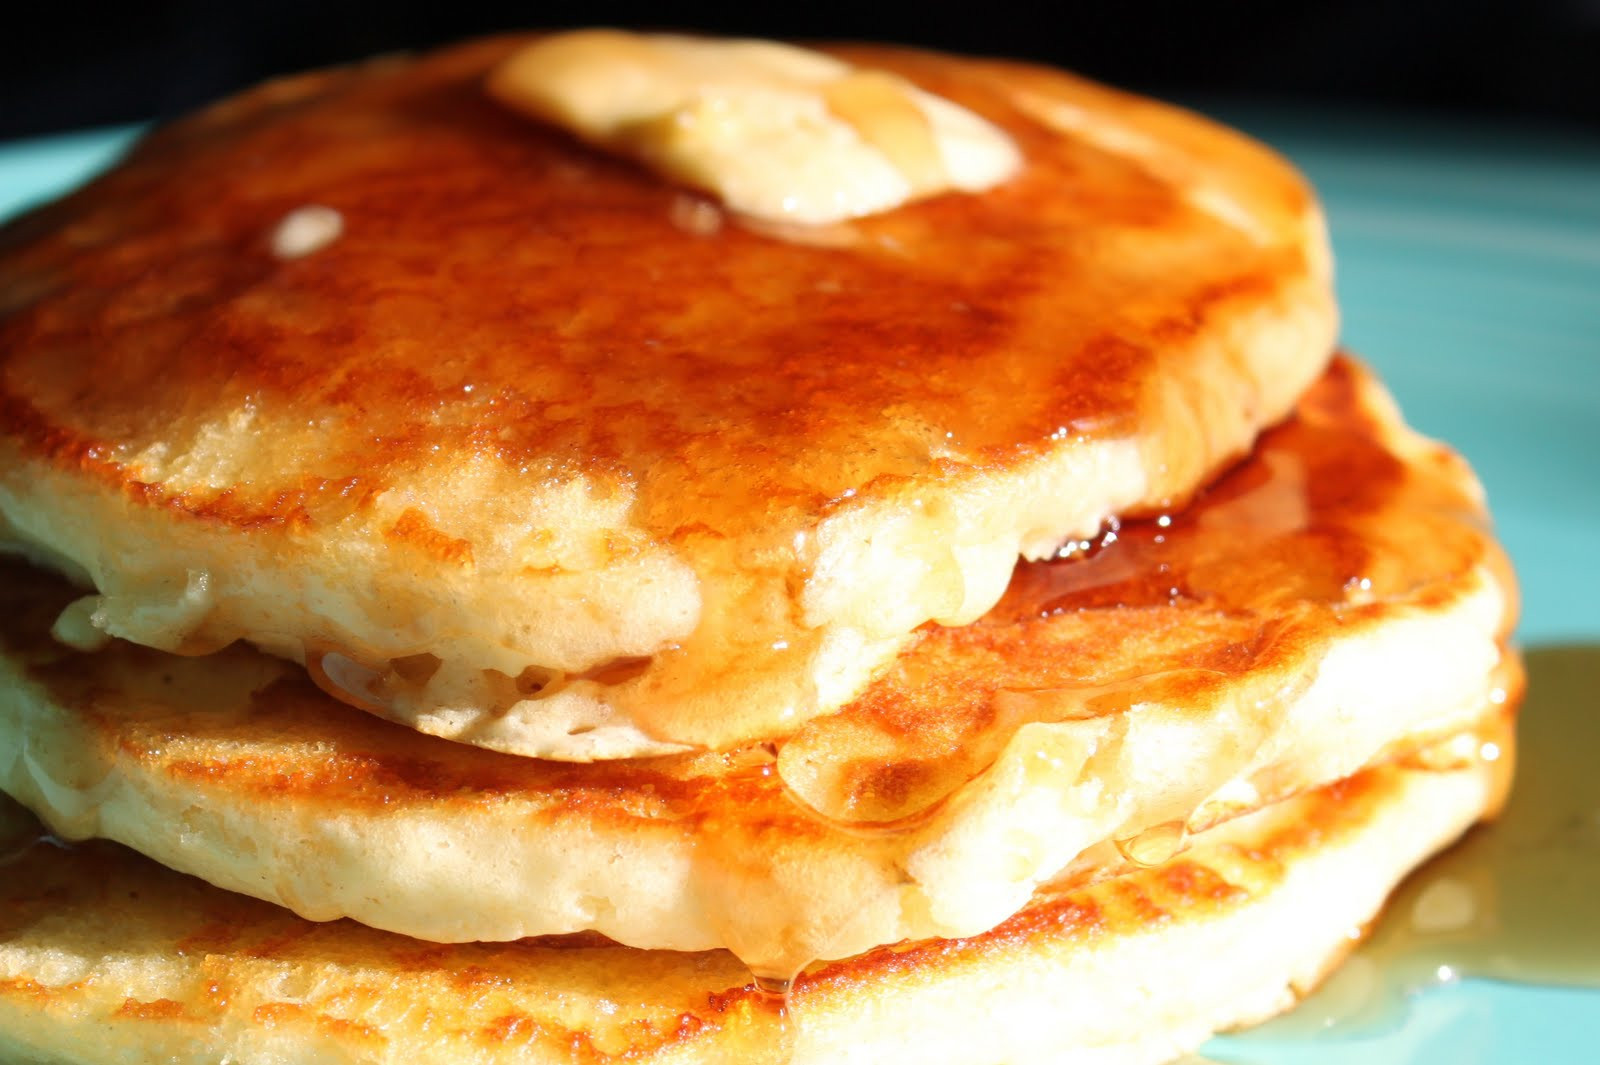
(566, 288)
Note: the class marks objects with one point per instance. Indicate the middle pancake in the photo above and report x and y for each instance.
(1334, 601)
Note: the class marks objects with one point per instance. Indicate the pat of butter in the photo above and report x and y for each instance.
(777, 132)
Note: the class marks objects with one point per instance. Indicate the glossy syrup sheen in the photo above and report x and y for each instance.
(498, 290)
(1317, 516)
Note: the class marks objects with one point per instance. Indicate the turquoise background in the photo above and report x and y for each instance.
(1469, 275)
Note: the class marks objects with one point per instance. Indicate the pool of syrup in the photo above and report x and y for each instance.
(1517, 900)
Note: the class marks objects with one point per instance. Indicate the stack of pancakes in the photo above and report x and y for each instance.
(476, 600)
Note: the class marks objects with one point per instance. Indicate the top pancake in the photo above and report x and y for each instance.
(546, 455)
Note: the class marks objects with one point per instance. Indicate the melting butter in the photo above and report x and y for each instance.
(778, 133)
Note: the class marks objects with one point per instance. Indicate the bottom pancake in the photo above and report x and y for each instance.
(106, 956)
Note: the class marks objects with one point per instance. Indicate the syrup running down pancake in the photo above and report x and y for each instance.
(1334, 601)
(524, 446)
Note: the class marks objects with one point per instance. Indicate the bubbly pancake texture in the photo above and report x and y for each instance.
(106, 957)
(517, 444)
(1334, 601)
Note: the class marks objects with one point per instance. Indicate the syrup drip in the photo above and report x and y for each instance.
(774, 1009)
(1155, 845)
(346, 680)
(1517, 900)
(774, 987)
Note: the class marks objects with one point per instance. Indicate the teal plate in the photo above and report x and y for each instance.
(1469, 262)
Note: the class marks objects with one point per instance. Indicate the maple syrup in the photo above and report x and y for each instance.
(346, 680)
(776, 1012)
(1321, 514)
(1155, 845)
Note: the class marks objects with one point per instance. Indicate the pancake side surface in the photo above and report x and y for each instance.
(540, 453)
(106, 957)
(1334, 601)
